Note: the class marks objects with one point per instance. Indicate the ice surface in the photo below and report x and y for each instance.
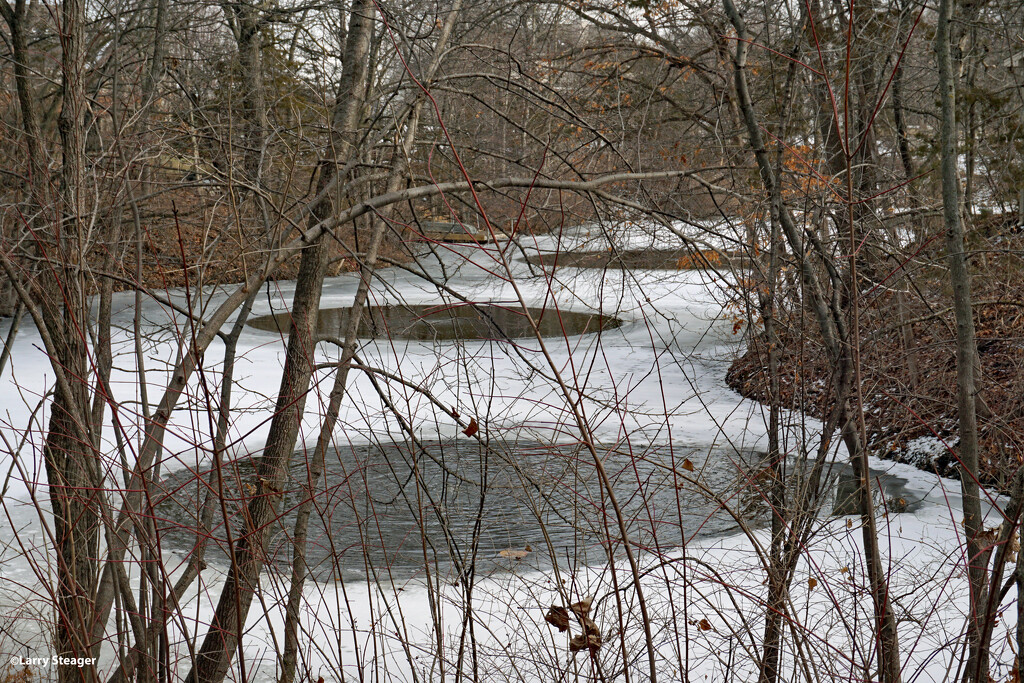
(659, 378)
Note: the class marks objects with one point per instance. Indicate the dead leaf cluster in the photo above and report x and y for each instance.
(590, 638)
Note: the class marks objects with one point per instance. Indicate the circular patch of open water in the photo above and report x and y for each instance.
(393, 509)
(462, 321)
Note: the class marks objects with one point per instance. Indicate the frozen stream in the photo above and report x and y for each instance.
(654, 397)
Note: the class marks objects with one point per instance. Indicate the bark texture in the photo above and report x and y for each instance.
(223, 637)
(966, 347)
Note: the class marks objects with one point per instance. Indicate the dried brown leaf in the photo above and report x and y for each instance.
(582, 608)
(582, 642)
(558, 617)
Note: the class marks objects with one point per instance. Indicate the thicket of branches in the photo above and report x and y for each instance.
(852, 171)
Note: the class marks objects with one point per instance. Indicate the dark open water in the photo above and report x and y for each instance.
(457, 505)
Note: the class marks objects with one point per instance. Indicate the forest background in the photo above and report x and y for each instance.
(852, 172)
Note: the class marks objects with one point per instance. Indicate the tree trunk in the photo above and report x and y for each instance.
(399, 168)
(778, 576)
(246, 23)
(72, 467)
(838, 342)
(966, 348)
(784, 515)
(224, 636)
(60, 311)
(1019, 581)
(903, 143)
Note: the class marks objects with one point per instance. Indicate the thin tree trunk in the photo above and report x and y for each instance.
(970, 130)
(838, 343)
(72, 471)
(902, 141)
(966, 348)
(399, 167)
(1019, 664)
(224, 635)
(39, 176)
(12, 334)
(903, 145)
(907, 334)
(246, 23)
(156, 59)
(1001, 550)
(780, 563)
(778, 585)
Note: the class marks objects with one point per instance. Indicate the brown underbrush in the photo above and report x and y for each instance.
(908, 358)
(190, 236)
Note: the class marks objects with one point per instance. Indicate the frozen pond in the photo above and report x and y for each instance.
(643, 361)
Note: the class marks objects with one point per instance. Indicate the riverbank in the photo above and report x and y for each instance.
(908, 362)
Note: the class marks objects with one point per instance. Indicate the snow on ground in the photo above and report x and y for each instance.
(659, 378)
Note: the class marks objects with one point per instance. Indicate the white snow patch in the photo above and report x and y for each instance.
(658, 378)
